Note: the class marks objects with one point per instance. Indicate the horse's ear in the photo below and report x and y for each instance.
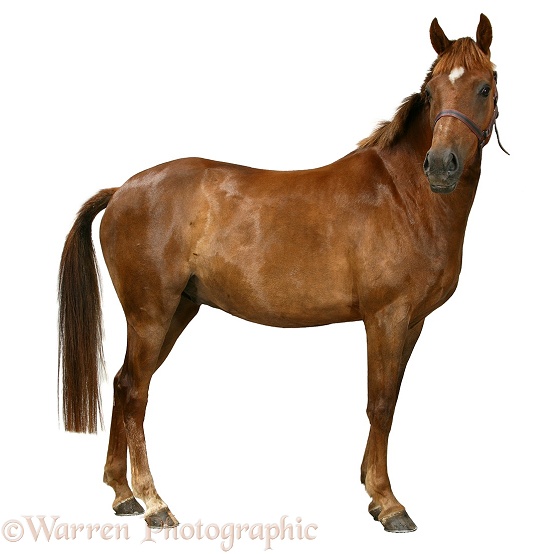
(484, 34)
(439, 40)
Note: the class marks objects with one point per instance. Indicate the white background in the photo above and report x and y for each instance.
(245, 423)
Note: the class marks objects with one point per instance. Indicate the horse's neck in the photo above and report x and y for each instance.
(444, 215)
(417, 141)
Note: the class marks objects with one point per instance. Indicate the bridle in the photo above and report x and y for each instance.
(484, 135)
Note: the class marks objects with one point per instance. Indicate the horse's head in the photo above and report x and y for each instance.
(462, 97)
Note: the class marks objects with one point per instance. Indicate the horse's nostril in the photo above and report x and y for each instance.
(426, 164)
(451, 163)
(442, 164)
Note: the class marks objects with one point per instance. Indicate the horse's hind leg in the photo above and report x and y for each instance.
(181, 318)
(115, 471)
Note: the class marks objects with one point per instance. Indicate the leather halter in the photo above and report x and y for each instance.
(483, 136)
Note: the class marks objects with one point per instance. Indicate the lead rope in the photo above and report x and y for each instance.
(495, 75)
(498, 139)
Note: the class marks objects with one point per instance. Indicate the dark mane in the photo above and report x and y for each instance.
(463, 52)
(388, 132)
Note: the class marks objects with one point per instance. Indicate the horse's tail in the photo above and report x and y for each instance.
(80, 355)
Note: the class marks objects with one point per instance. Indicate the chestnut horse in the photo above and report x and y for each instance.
(375, 236)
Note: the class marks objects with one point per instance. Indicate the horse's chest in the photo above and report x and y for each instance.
(433, 285)
(410, 274)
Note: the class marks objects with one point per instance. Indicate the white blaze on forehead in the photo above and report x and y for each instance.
(455, 74)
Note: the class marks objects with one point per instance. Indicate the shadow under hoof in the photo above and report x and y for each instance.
(399, 523)
(129, 507)
(162, 519)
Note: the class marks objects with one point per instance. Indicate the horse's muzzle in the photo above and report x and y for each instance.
(443, 169)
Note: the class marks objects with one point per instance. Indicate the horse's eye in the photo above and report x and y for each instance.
(427, 94)
(485, 91)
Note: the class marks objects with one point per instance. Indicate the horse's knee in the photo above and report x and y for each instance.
(380, 413)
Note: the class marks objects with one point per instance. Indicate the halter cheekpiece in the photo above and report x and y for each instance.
(482, 135)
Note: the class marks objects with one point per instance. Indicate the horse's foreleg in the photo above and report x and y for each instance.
(390, 344)
(411, 340)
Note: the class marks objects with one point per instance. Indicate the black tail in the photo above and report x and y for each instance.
(80, 354)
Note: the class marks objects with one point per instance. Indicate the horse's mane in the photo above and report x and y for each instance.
(388, 132)
(463, 52)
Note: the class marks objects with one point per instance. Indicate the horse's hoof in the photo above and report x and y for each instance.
(399, 523)
(162, 519)
(374, 511)
(129, 507)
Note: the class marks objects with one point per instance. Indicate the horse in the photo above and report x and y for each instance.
(375, 236)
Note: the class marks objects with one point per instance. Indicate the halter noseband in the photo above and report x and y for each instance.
(482, 135)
